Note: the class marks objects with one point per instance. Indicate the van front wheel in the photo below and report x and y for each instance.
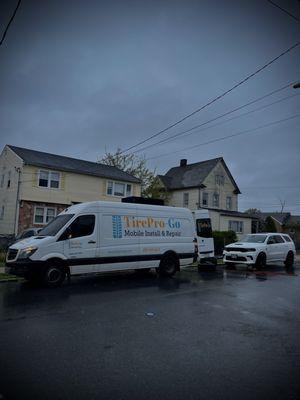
(168, 265)
(54, 275)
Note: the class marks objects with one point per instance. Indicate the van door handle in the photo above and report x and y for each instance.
(92, 241)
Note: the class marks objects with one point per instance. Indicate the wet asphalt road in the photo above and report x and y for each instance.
(224, 335)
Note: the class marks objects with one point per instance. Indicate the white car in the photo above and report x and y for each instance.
(260, 249)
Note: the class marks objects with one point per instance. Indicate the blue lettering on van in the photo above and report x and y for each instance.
(117, 226)
(173, 223)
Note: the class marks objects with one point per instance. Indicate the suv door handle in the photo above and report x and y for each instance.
(92, 241)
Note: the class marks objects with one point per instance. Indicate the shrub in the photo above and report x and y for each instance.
(221, 239)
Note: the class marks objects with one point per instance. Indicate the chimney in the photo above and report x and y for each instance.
(183, 162)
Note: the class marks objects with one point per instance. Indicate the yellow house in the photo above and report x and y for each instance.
(35, 186)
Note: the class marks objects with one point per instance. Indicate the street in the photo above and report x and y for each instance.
(209, 335)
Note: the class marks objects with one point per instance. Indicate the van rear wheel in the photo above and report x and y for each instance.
(168, 265)
(54, 276)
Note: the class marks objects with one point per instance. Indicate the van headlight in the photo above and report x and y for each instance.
(27, 252)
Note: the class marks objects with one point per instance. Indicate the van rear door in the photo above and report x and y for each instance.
(205, 239)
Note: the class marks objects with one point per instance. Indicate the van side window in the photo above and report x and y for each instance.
(82, 226)
(204, 227)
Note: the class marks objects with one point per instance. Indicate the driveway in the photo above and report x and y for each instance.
(222, 335)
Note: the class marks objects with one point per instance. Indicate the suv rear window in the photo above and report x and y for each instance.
(279, 239)
(286, 238)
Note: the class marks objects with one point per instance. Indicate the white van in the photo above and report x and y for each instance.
(106, 236)
(206, 250)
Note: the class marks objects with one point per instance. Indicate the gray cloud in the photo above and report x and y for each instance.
(76, 78)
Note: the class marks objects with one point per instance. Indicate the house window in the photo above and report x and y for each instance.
(216, 200)
(8, 180)
(219, 180)
(2, 180)
(205, 199)
(236, 226)
(2, 212)
(43, 215)
(228, 202)
(49, 179)
(118, 189)
(185, 199)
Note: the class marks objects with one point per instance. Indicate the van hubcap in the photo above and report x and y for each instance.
(53, 275)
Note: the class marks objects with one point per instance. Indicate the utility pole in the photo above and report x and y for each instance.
(18, 169)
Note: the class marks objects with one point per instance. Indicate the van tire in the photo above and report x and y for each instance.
(54, 275)
(289, 261)
(261, 261)
(169, 265)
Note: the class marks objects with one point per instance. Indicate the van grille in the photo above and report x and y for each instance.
(12, 254)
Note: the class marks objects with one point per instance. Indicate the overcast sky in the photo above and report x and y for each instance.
(79, 77)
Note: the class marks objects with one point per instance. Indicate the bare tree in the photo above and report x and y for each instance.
(134, 165)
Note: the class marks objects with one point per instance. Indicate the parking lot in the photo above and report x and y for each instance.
(209, 335)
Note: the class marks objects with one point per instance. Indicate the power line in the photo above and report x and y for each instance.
(10, 21)
(188, 131)
(216, 98)
(228, 136)
(284, 10)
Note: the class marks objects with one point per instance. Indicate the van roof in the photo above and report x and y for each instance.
(93, 206)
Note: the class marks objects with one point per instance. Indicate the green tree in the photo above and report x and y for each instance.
(136, 166)
(270, 225)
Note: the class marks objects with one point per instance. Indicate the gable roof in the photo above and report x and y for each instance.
(193, 175)
(281, 218)
(62, 163)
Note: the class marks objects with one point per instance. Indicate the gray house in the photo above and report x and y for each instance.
(207, 184)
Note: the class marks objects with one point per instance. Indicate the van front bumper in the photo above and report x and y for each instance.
(23, 267)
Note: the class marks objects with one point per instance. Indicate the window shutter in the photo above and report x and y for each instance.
(104, 187)
(35, 178)
(62, 180)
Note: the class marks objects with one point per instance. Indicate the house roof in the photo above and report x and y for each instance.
(281, 218)
(294, 219)
(192, 175)
(62, 163)
(231, 213)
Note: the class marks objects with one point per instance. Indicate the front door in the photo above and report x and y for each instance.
(81, 243)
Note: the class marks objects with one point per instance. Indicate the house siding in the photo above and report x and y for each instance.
(74, 188)
(176, 198)
(9, 161)
(222, 190)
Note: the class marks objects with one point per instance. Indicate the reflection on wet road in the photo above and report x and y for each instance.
(227, 334)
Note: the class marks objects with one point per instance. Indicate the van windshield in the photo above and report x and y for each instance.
(55, 225)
